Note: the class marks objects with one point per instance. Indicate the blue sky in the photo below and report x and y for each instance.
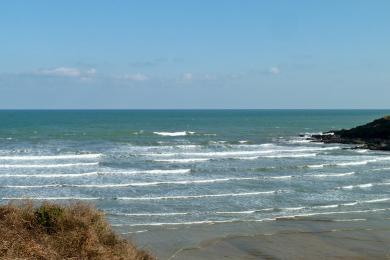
(195, 54)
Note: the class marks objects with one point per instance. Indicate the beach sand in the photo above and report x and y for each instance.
(343, 244)
(352, 236)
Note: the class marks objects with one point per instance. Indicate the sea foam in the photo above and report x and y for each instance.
(50, 157)
(58, 175)
(199, 196)
(47, 165)
(181, 133)
(325, 175)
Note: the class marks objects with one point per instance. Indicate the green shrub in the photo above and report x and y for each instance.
(47, 216)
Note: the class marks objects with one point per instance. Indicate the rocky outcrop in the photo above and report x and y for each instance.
(374, 135)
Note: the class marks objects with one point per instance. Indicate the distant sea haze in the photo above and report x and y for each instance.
(149, 169)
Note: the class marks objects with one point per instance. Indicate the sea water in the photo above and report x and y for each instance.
(165, 168)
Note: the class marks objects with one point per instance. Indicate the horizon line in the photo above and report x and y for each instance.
(176, 109)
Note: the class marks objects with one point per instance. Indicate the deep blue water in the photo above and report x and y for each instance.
(146, 168)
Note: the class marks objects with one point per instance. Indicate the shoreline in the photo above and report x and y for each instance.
(295, 245)
(351, 236)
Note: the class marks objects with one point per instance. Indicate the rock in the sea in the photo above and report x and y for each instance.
(374, 135)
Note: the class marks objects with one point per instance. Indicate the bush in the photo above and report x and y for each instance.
(51, 231)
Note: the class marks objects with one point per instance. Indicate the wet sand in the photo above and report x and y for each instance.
(357, 236)
(354, 244)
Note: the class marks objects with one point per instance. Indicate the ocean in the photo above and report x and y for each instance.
(163, 169)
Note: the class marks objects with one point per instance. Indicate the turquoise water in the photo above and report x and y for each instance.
(150, 169)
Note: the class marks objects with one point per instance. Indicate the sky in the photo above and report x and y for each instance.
(194, 54)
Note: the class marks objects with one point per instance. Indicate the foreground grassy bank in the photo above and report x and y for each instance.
(51, 231)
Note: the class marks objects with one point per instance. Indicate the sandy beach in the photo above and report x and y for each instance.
(351, 236)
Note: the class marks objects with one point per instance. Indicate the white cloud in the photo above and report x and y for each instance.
(188, 76)
(136, 77)
(67, 72)
(61, 71)
(91, 72)
(274, 70)
(209, 77)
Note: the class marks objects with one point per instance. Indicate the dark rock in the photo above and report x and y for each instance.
(374, 135)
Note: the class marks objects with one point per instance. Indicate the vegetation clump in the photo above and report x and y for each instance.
(51, 231)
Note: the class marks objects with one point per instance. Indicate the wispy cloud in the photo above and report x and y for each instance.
(67, 72)
(135, 77)
(274, 70)
(91, 72)
(187, 76)
(143, 64)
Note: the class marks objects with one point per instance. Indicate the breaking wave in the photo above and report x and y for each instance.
(47, 165)
(50, 157)
(181, 133)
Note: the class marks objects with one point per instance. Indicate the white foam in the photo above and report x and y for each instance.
(190, 160)
(382, 169)
(281, 177)
(292, 208)
(246, 152)
(352, 163)
(184, 182)
(365, 201)
(51, 157)
(187, 146)
(151, 214)
(181, 133)
(146, 198)
(332, 213)
(349, 187)
(47, 165)
(59, 175)
(236, 212)
(331, 175)
(311, 149)
(350, 220)
(31, 186)
(380, 159)
(156, 172)
(141, 184)
(75, 175)
(109, 185)
(326, 206)
(244, 211)
(50, 198)
(210, 154)
(199, 196)
(258, 210)
(301, 208)
(350, 203)
(210, 222)
(362, 150)
(316, 166)
(344, 164)
(175, 171)
(246, 158)
(376, 200)
(299, 141)
(135, 232)
(291, 155)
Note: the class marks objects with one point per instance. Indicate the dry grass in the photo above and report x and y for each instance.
(51, 231)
